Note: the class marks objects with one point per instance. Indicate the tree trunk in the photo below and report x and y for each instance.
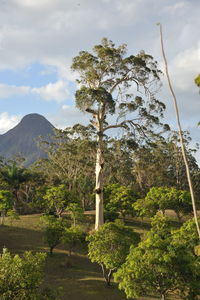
(163, 297)
(109, 276)
(16, 202)
(99, 179)
(74, 221)
(181, 136)
(51, 250)
(2, 217)
(179, 216)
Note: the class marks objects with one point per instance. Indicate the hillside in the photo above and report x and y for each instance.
(22, 139)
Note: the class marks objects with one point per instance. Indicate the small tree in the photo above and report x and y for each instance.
(75, 211)
(21, 277)
(58, 198)
(72, 237)
(53, 231)
(162, 198)
(119, 199)
(109, 247)
(6, 203)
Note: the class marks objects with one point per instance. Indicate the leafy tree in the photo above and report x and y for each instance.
(72, 237)
(162, 198)
(159, 265)
(21, 277)
(75, 211)
(119, 199)
(57, 198)
(110, 245)
(106, 79)
(6, 203)
(53, 231)
(180, 202)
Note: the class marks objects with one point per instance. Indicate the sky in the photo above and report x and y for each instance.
(39, 38)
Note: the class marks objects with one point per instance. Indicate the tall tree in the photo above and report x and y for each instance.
(106, 80)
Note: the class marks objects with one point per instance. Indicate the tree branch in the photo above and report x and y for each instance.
(122, 124)
(91, 111)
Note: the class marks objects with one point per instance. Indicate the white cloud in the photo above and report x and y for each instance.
(8, 121)
(185, 67)
(57, 91)
(12, 90)
(175, 7)
(33, 3)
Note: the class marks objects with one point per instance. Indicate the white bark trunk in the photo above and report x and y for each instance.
(99, 179)
(181, 137)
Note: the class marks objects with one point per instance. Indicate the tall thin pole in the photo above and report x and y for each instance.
(180, 133)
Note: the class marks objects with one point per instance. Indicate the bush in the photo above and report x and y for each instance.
(20, 277)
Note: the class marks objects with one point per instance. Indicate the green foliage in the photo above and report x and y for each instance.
(6, 200)
(6, 203)
(14, 177)
(21, 276)
(69, 163)
(119, 199)
(75, 211)
(197, 80)
(110, 245)
(106, 72)
(13, 215)
(53, 231)
(161, 264)
(72, 237)
(57, 198)
(162, 198)
(159, 162)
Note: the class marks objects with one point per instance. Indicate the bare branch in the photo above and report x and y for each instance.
(180, 133)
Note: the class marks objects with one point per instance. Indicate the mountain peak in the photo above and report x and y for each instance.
(22, 139)
(32, 116)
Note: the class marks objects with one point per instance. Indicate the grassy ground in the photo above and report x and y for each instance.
(76, 276)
